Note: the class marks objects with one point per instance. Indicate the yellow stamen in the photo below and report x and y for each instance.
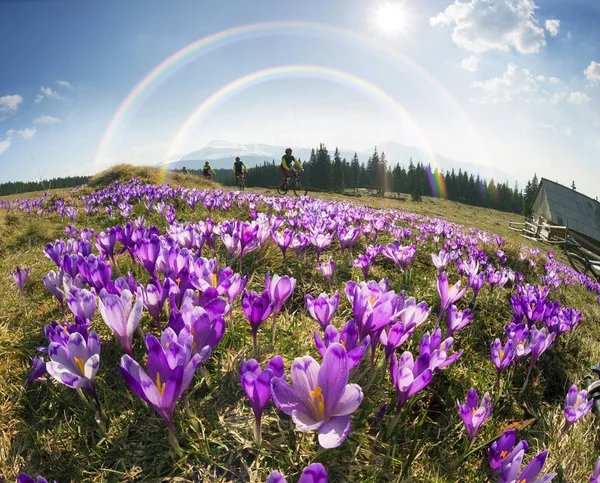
(167, 345)
(213, 279)
(576, 405)
(178, 281)
(343, 342)
(503, 454)
(80, 364)
(474, 410)
(319, 407)
(372, 301)
(192, 331)
(502, 355)
(159, 386)
(194, 346)
(65, 329)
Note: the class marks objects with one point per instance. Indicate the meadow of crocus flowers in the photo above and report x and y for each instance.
(153, 333)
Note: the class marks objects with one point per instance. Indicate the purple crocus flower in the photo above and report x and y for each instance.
(409, 311)
(577, 406)
(349, 340)
(315, 473)
(503, 450)
(74, 360)
(347, 237)
(257, 386)
(440, 261)
(327, 269)
(540, 340)
(364, 262)
(54, 283)
(257, 309)
(38, 370)
(476, 282)
(282, 240)
(25, 478)
(502, 357)
(54, 251)
(320, 398)
(236, 286)
(408, 378)
(171, 367)
(122, 315)
(394, 336)
(147, 252)
(19, 276)
(280, 289)
(106, 241)
(82, 303)
(433, 351)
(448, 295)
(320, 241)
(595, 478)
(458, 319)
(473, 414)
(323, 308)
(400, 255)
(155, 295)
(205, 326)
(510, 472)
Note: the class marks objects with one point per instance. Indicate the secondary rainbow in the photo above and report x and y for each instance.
(293, 71)
(215, 41)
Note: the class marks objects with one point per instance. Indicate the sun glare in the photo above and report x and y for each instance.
(391, 18)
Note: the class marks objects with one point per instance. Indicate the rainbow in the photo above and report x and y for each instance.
(293, 71)
(436, 182)
(215, 41)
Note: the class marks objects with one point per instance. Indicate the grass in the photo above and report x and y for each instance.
(46, 429)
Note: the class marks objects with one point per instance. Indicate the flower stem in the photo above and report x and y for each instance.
(100, 419)
(257, 431)
(526, 380)
(393, 424)
(173, 441)
(255, 343)
(274, 329)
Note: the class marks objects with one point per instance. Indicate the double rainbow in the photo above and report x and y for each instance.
(184, 56)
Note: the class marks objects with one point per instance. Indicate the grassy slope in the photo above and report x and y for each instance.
(47, 429)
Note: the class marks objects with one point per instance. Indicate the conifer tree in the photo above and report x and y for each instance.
(338, 173)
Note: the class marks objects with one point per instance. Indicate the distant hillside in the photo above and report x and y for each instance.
(221, 154)
(16, 187)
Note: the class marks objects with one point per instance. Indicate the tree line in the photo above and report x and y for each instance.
(416, 180)
(16, 187)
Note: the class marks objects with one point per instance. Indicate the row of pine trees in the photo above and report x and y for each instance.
(337, 174)
(15, 187)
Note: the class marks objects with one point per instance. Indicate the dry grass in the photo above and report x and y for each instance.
(46, 429)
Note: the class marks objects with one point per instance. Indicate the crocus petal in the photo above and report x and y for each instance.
(286, 398)
(333, 376)
(334, 432)
(349, 401)
(314, 473)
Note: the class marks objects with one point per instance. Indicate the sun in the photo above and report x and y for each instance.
(391, 18)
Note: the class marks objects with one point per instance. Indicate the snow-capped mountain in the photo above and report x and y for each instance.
(221, 154)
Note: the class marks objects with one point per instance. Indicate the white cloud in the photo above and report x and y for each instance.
(10, 103)
(559, 129)
(26, 133)
(4, 145)
(553, 26)
(47, 92)
(64, 83)
(592, 72)
(482, 25)
(512, 85)
(552, 80)
(521, 84)
(470, 63)
(46, 120)
(578, 98)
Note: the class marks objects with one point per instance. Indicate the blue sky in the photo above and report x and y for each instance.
(525, 74)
